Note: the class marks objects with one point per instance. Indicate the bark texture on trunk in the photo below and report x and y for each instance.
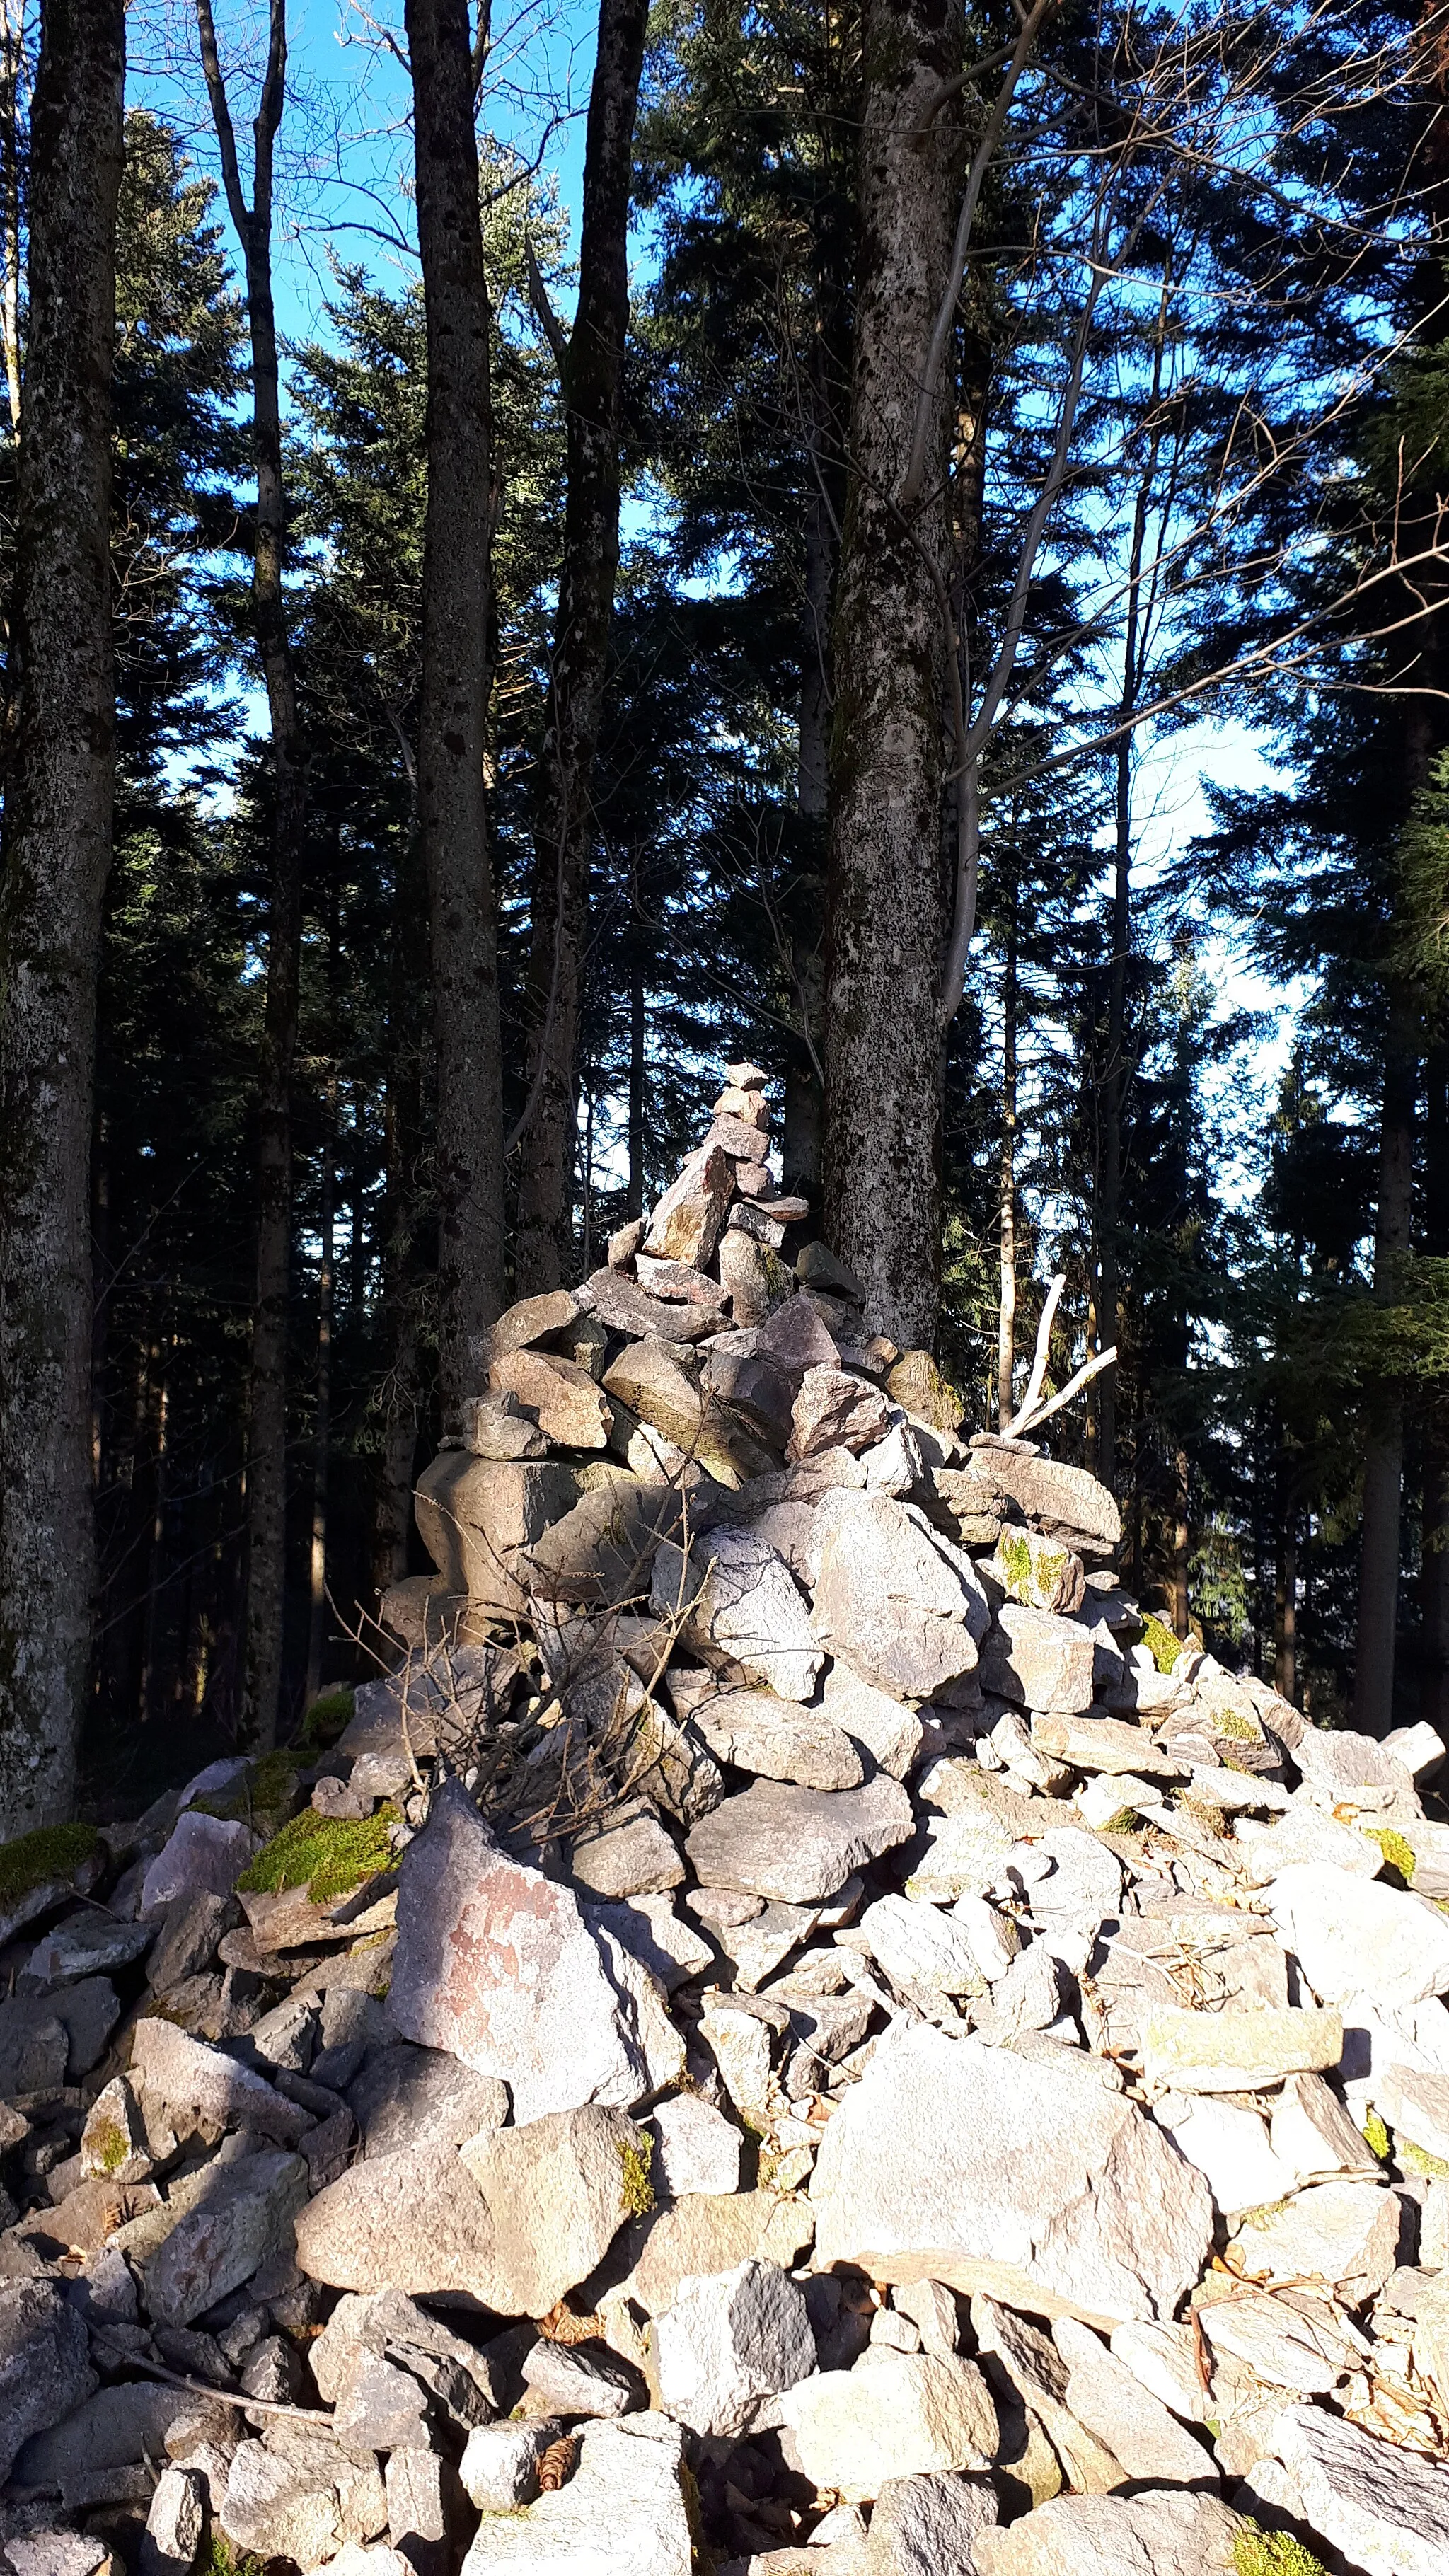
(885, 902)
(322, 1429)
(1006, 1311)
(1434, 1564)
(452, 808)
(267, 1411)
(57, 851)
(1383, 1476)
(591, 368)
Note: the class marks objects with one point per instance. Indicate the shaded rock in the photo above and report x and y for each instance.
(728, 2340)
(919, 1388)
(558, 2190)
(1166, 2534)
(111, 2430)
(479, 1518)
(1038, 1660)
(86, 1945)
(205, 1856)
(904, 1608)
(45, 2366)
(492, 1426)
(242, 2213)
(558, 1395)
(34, 2045)
(419, 2491)
(891, 1734)
(955, 2162)
(1353, 1936)
(622, 2511)
(895, 2415)
(751, 1270)
(495, 1963)
(187, 1941)
(187, 2075)
(422, 2097)
(1387, 2509)
(798, 1844)
(835, 1410)
(778, 1740)
(626, 1307)
(657, 1937)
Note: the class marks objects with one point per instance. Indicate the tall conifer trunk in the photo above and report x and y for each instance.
(591, 366)
(1383, 1475)
(267, 1416)
(57, 852)
(885, 907)
(457, 591)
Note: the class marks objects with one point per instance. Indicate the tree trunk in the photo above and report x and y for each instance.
(638, 1073)
(456, 618)
(885, 909)
(803, 1129)
(1378, 1577)
(591, 368)
(1434, 1564)
(267, 1412)
(1285, 1656)
(57, 851)
(12, 65)
(1006, 1313)
(322, 1429)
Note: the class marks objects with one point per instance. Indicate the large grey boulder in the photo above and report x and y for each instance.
(744, 1602)
(115, 2428)
(952, 2161)
(904, 1607)
(1068, 1500)
(559, 2189)
(422, 2097)
(622, 2511)
(414, 2220)
(45, 2363)
(497, 1964)
(189, 2075)
(798, 1845)
(1385, 2508)
(478, 1518)
(729, 2340)
(242, 2214)
(1136, 2427)
(1169, 2533)
(895, 2415)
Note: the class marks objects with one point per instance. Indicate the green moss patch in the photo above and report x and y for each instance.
(1418, 2159)
(327, 1718)
(1238, 1730)
(1163, 1647)
(1399, 1855)
(51, 1852)
(328, 1855)
(634, 2165)
(1272, 2553)
(261, 1796)
(218, 2558)
(109, 2145)
(1376, 2136)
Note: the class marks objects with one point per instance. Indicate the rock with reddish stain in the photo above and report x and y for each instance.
(496, 1963)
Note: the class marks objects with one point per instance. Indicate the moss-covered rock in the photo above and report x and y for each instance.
(261, 1797)
(330, 1714)
(1272, 2553)
(1160, 1642)
(328, 1855)
(1399, 1856)
(47, 1857)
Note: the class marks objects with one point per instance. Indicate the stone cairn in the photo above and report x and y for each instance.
(798, 2031)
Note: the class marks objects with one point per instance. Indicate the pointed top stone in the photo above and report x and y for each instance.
(744, 1077)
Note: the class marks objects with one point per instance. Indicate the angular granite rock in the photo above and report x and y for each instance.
(1354, 1936)
(1167, 2533)
(45, 2363)
(495, 1963)
(903, 1606)
(952, 2161)
(621, 2513)
(729, 2339)
(895, 2415)
(1385, 2508)
(798, 1845)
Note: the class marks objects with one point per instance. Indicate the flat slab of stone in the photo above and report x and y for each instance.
(1038, 1660)
(496, 1964)
(558, 2191)
(414, 2220)
(798, 1845)
(776, 1739)
(531, 1320)
(1166, 2534)
(189, 2075)
(242, 2214)
(1347, 2234)
(1354, 1936)
(953, 2161)
(1065, 1498)
(1237, 2052)
(895, 2415)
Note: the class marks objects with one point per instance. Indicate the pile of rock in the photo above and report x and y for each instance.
(798, 2033)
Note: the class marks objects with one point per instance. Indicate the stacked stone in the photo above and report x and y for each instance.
(799, 2025)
